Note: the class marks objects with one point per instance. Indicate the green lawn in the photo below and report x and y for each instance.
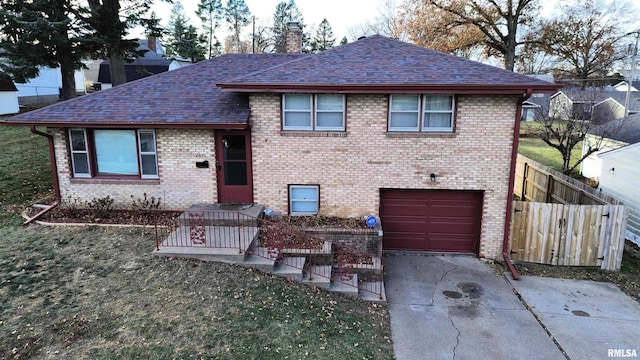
(25, 173)
(539, 151)
(95, 293)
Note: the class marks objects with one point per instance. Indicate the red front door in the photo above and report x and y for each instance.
(233, 166)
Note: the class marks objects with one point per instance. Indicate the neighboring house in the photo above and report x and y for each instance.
(8, 96)
(619, 179)
(151, 63)
(622, 86)
(609, 136)
(45, 88)
(592, 103)
(423, 139)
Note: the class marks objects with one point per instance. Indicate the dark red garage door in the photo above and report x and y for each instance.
(431, 220)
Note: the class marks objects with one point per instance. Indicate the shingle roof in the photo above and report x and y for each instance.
(378, 62)
(594, 96)
(141, 67)
(625, 130)
(183, 97)
(6, 84)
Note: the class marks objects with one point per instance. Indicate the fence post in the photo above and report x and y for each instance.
(240, 228)
(524, 182)
(155, 228)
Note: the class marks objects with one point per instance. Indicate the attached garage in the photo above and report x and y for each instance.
(431, 220)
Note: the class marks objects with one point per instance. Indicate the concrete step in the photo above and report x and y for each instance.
(319, 276)
(372, 291)
(204, 254)
(375, 268)
(346, 284)
(290, 267)
(259, 258)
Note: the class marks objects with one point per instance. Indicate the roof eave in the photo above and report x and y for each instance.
(103, 125)
(390, 89)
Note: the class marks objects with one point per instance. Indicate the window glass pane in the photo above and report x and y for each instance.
(304, 193)
(405, 103)
(438, 103)
(329, 120)
(297, 102)
(405, 120)
(235, 173)
(116, 151)
(233, 147)
(304, 199)
(147, 143)
(330, 102)
(437, 120)
(304, 206)
(77, 140)
(80, 163)
(149, 165)
(297, 119)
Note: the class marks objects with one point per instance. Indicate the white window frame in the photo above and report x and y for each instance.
(313, 113)
(329, 128)
(451, 112)
(422, 112)
(85, 152)
(285, 111)
(416, 111)
(292, 200)
(141, 153)
(89, 152)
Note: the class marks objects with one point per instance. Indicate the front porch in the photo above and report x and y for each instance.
(239, 234)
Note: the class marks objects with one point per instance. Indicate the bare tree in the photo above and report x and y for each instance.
(499, 21)
(387, 23)
(586, 38)
(565, 124)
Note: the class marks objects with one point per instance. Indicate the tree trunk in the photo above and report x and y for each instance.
(116, 69)
(68, 82)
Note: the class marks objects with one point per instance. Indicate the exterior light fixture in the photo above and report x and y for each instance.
(433, 177)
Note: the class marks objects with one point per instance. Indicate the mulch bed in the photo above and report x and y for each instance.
(115, 217)
(318, 221)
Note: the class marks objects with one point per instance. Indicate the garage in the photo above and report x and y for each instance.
(431, 220)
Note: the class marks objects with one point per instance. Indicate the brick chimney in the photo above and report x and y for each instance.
(151, 43)
(294, 38)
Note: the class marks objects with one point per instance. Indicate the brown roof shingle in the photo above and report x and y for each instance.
(183, 97)
(378, 62)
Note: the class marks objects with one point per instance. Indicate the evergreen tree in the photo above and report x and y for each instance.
(237, 15)
(323, 39)
(286, 13)
(344, 41)
(41, 33)
(210, 13)
(184, 40)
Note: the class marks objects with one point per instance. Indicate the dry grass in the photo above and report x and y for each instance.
(99, 293)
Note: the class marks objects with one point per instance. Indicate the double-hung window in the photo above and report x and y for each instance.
(321, 112)
(106, 152)
(415, 113)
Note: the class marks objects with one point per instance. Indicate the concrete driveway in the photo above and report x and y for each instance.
(456, 307)
(590, 320)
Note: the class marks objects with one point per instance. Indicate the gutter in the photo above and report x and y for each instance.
(512, 174)
(54, 170)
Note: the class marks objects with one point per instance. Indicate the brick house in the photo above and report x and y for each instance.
(423, 139)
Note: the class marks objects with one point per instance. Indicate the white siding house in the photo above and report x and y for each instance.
(8, 96)
(620, 178)
(46, 86)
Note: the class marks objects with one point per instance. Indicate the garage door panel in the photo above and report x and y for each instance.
(431, 220)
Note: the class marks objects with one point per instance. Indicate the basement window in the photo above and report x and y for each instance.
(304, 199)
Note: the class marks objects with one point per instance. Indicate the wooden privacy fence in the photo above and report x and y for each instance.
(536, 182)
(564, 222)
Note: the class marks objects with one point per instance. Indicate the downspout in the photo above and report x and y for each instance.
(54, 171)
(512, 175)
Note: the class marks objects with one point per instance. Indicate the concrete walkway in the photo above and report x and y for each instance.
(590, 320)
(456, 307)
